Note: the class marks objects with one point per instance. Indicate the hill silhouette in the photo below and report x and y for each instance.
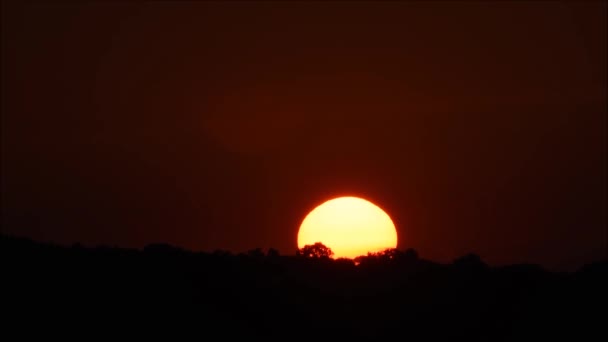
(261, 295)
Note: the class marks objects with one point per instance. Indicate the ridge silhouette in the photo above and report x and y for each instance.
(390, 295)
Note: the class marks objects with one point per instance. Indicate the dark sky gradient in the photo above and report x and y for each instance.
(479, 127)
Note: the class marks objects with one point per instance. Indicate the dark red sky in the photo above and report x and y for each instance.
(479, 127)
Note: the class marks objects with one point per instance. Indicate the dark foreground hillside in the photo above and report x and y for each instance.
(57, 291)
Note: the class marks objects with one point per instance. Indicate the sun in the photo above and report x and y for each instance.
(350, 226)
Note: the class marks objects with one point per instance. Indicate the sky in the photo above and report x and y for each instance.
(477, 126)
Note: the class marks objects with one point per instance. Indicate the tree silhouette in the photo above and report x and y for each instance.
(256, 253)
(470, 262)
(318, 250)
(273, 253)
(389, 255)
(410, 254)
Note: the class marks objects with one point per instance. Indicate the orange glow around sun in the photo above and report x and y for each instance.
(350, 226)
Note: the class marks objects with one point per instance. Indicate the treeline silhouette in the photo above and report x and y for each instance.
(262, 295)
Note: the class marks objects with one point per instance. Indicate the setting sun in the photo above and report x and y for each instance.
(350, 226)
